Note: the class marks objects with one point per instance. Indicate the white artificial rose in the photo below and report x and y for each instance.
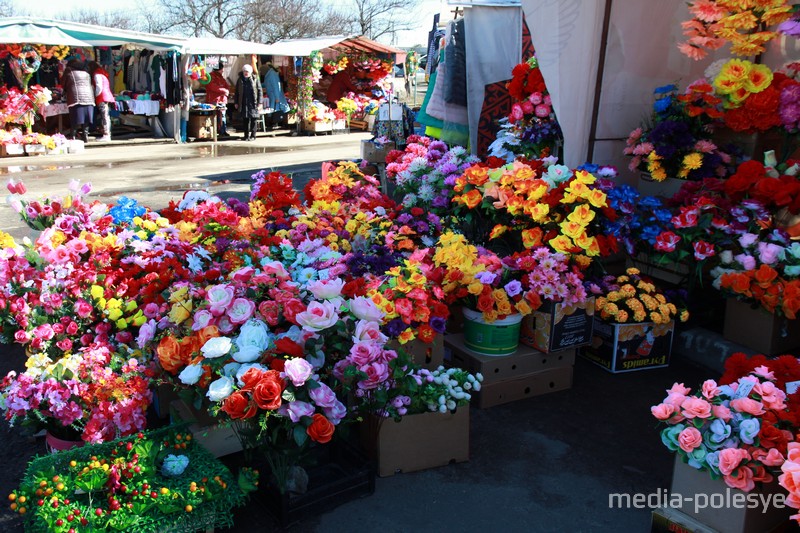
(230, 369)
(191, 374)
(254, 333)
(247, 354)
(216, 347)
(220, 389)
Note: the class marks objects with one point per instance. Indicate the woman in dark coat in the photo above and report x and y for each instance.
(248, 98)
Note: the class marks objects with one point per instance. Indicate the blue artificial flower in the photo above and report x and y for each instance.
(174, 465)
(662, 104)
(665, 89)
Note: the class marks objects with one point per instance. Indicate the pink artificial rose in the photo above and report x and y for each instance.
(773, 458)
(219, 298)
(710, 389)
(72, 328)
(64, 345)
(244, 274)
(721, 412)
(675, 399)
(527, 107)
(741, 478)
(363, 353)
(202, 319)
(689, 439)
(663, 411)
(730, 458)
(695, 408)
(516, 113)
(535, 98)
(679, 388)
(376, 373)
(241, 310)
(83, 308)
(542, 110)
(748, 405)
(768, 253)
(326, 289)
(748, 262)
(367, 330)
(764, 372)
(318, 316)
(771, 396)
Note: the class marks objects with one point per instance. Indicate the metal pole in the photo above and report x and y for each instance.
(598, 84)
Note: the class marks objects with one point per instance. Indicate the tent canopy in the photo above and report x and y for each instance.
(93, 35)
(35, 33)
(233, 47)
(353, 43)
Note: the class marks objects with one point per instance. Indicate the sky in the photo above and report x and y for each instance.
(408, 38)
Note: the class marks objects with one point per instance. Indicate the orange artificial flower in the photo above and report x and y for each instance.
(765, 275)
(170, 355)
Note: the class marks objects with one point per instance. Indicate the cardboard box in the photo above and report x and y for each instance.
(669, 520)
(11, 150)
(629, 347)
(317, 126)
(526, 386)
(732, 515)
(219, 439)
(374, 154)
(429, 355)
(764, 332)
(496, 369)
(339, 124)
(556, 326)
(417, 442)
(35, 149)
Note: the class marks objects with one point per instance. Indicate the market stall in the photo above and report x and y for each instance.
(339, 79)
(143, 71)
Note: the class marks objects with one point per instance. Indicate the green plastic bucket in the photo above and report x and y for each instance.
(501, 337)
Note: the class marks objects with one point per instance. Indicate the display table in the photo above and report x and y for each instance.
(202, 124)
(57, 110)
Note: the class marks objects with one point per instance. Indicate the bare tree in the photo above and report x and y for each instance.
(377, 18)
(111, 19)
(290, 19)
(218, 18)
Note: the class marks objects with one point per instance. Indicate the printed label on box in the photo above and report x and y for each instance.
(558, 326)
(627, 347)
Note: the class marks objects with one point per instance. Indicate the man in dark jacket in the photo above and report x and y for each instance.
(247, 100)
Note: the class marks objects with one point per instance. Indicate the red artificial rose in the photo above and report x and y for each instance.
(250, 378)
(270, 311)
(703, 250)
(292, 308)
(321, 430)
(763, 108)
(485, 302)
(287, 346)
(772, 437)
(738, 119)
(238, 406)
(267, 392)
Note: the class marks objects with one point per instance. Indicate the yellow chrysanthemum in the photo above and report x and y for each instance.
(693, 161)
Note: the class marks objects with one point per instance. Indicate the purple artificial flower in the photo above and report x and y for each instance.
(487, 278)
(438, 324)
(513, 288)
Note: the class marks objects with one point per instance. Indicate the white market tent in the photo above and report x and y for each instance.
(35, 33)
(303, 47)
(230, 47)
(601, 60)
(93, 35)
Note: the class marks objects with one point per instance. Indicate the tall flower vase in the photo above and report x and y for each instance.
(57, 444)
(500, 337)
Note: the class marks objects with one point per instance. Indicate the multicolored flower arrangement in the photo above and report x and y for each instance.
(745, 25)
(425, 172)
(546, 203)
(531, 130)
(96, 393)
(632, 298)
(677, 142)
(739, 430)
(336, 65)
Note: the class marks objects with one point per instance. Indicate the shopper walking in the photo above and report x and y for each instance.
(217, 92)
(103, 98)
(79, 90)
(247, 99)
(273, 90)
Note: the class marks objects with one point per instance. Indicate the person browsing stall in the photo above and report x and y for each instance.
(247, 99)
(103, 97)
(217, 92)
(342, 84)
(79, 91)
